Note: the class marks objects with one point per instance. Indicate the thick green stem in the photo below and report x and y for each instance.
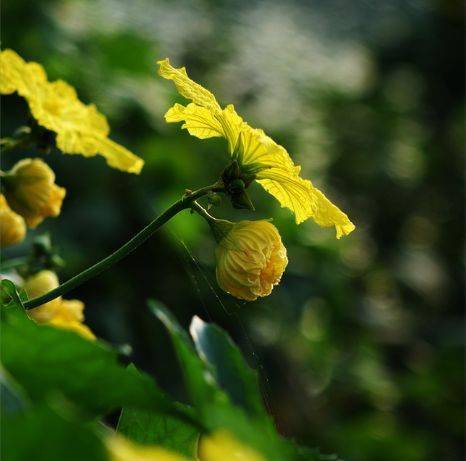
(182, 204)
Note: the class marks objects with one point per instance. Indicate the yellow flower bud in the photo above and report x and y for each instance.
(61, 313)
(73, 325)
(37, 285)
(12, 225)
(223, 446)
(71, 310)
(251, 259)
(31, 191)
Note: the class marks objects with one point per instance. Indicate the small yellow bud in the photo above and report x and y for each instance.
(12, 225)
(31, 191)
(37, 285)
(61, 313)
(73, 325)
(251, 259)
(71, 310)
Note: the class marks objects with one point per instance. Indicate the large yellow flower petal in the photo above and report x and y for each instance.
(300, 196)
(89, 145)
(199, 121)
(17, 75)
(255, 148)
(56, 107)
(80, 128)
(232, 125)
(186, 87)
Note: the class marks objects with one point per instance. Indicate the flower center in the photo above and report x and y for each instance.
(269, 274)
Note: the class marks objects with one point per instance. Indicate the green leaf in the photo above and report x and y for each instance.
(198, 378)
(148, 427)
(46, 360)
(213, 406)
(9, 295)
(40, 434)
(231, 371)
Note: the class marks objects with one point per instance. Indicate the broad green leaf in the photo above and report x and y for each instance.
(231, 371)
(213, 406)
(147, 427)
(40, 434)
(199, 380)
(46, 360)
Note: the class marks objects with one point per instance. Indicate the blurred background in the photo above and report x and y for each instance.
(360, 348)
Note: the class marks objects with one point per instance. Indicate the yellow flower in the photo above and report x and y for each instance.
(80, 128)
(259, 157)
(222, 446)
(37, 285)
(121, 449)
(61, 313)
(12, 225)
(251, 259)
(31, 191)
(74, 325)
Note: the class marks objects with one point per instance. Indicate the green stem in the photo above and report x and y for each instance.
(182, 204)
(220, 227)
(199, 209)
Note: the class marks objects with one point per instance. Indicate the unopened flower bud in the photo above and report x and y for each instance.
(61, 313)
(31, 191)
(251, 259)
(12, 225)
(37, 285)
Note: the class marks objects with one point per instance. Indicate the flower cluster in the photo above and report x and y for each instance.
(29, 192)
(250, 261)
(251, 257)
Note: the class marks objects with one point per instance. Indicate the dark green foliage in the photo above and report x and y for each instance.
(230, 370)
(42, 434)
(47, 361)
(58, 380)
(149, 427)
